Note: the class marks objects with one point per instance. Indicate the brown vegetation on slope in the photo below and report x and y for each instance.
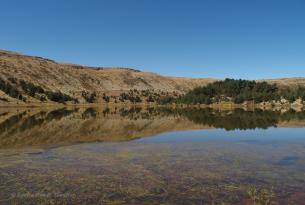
(75, 79)
(81, 82)
(291, 82)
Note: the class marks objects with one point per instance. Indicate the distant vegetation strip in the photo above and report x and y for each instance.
(238, 91)
(229, 90)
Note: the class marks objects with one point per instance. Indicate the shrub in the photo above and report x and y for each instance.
(30, 88)
(59, 97)
(150, 99)
(90, 98)
(10, 90)
(106, 98)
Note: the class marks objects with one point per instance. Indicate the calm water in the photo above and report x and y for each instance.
(151, 156)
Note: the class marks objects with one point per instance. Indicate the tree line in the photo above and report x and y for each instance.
(229, 90)
(237, 91)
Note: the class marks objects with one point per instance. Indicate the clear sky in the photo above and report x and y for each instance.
(248, 39)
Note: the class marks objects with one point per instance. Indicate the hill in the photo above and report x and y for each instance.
(291, 82)
(75, 80)
(30, 79)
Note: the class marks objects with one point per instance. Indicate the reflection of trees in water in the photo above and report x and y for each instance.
(136, 113)
(60, 113)
(3, 114)
(131, 113)
(7, 124)
(89, 113)
(229, 120)
(238, 118)
(22, 122)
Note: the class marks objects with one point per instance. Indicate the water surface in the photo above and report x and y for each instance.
(151, 156)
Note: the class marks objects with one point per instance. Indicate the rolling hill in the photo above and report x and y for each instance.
(21, 74)
(73, 80)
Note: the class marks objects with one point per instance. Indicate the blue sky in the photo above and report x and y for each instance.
(249, 39)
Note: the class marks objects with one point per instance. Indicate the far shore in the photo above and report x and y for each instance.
(218, 106)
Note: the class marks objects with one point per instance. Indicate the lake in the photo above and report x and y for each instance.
(144, 156)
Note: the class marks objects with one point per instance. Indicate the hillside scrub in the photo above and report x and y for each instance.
(229, 90)
(15, 88)
(10, 89)
(89, 97)
(60, 97)
(30, 88)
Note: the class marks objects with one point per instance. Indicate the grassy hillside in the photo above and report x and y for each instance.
(291, 82)
(80, 82)
(34, 80)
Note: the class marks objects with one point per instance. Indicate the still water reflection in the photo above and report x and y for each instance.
(151, 156)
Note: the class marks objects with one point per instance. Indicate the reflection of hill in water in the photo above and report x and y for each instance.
(66, 126)
(74, 125)
(241, 119)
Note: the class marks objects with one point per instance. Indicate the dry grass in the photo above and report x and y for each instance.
(73, 79)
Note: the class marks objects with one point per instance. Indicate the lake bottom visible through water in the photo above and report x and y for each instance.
(194, 166)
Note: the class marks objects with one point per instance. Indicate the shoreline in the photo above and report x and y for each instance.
(216, 106)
